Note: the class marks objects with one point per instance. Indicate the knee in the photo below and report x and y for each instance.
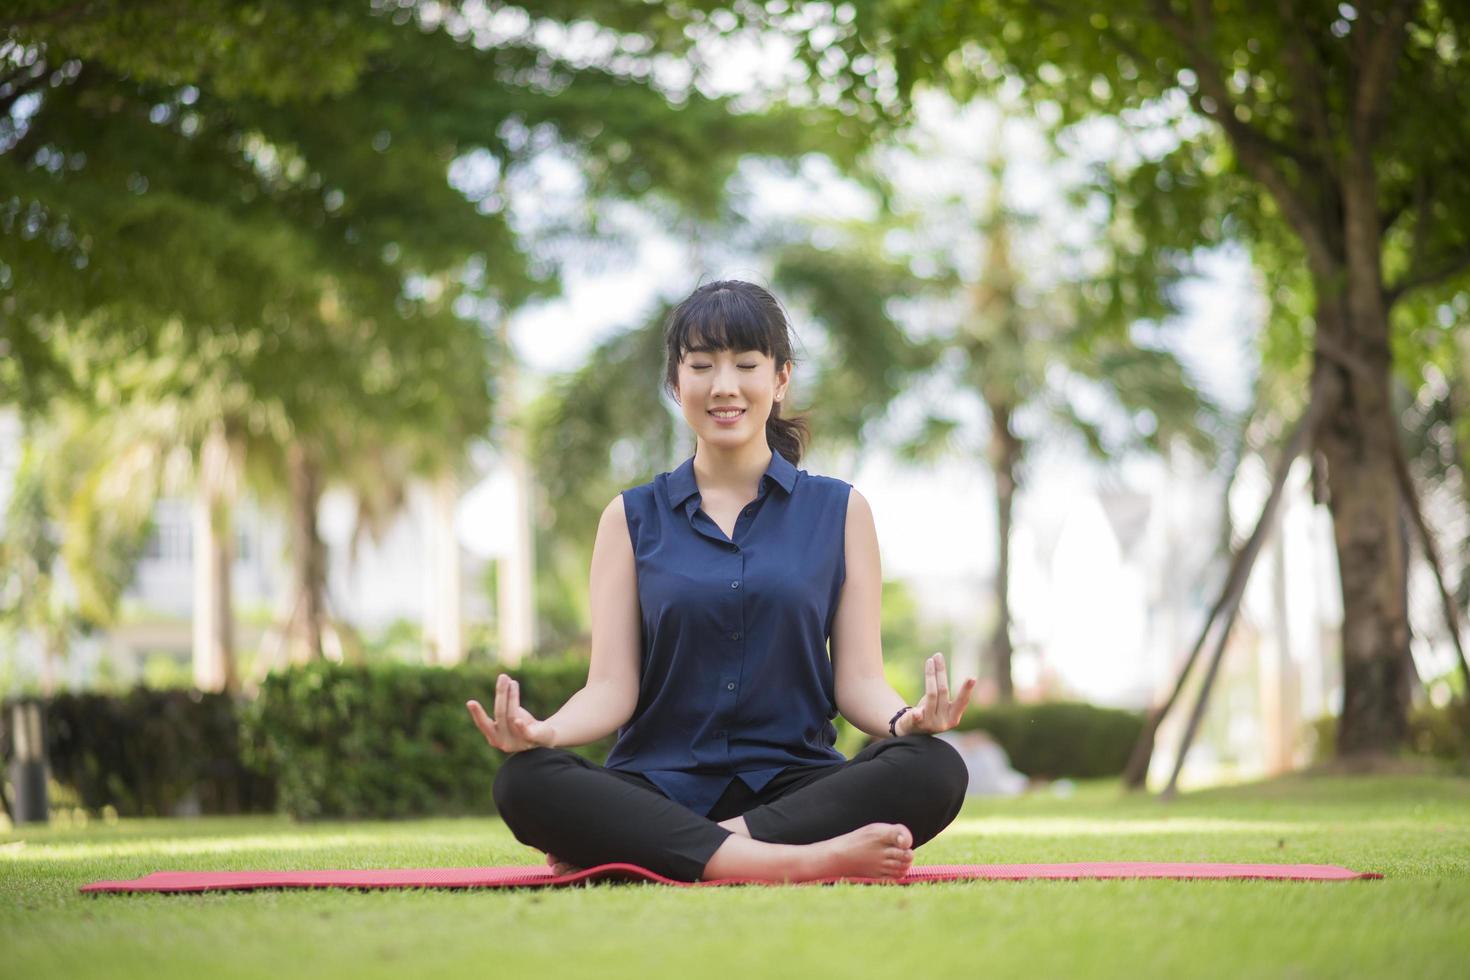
(946, 767)
(516, 779)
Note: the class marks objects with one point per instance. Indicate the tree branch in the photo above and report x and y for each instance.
(1378, 55)
(1308, 87)
(1431, 553)
(1452, 265)
(1224, 610)
(1254, 148)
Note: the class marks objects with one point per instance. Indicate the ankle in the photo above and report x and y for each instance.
(745, 857)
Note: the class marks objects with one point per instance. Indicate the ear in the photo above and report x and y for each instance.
(783, 379)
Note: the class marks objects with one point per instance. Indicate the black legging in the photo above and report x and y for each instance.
(558, 802)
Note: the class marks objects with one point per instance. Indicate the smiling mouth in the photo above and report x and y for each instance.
(728, 415)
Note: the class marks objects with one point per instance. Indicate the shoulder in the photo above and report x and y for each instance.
(859, 513)
(616, 509)
(829, 486)
(832, 486)
(635, 507)
(635, 499)
(614, 518)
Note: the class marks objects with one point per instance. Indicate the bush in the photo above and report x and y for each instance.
(1060, 738)
(1443, 733)
(392, 740)
(147, 752)
(1439, 733)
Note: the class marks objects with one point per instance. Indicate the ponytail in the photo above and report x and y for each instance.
(787, 436)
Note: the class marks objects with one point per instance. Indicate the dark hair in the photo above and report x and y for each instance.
(730, 314)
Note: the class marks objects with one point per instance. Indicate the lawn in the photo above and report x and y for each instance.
(1415, 922)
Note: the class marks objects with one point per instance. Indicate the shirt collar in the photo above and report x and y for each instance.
(681, 485)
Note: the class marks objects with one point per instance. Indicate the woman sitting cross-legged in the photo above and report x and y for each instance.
(716, 589)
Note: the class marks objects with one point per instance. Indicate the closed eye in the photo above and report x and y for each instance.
(743, 367)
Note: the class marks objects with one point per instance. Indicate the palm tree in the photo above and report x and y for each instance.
(1027, 349)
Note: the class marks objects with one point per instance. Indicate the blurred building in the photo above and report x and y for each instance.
(372, 585)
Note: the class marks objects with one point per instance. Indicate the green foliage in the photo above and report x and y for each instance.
(852, 292)
(908, 640)
(1434, 732)
(295, 223)
(391, 740)
(1443, 733)
(609, 408)
(145, 752)
(1059, 738)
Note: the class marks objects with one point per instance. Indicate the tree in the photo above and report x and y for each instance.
(321, 201)
(30, 567)
(1327, 150)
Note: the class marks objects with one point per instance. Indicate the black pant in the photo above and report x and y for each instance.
(558, 802)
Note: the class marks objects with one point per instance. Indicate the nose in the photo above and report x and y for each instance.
(727, 381)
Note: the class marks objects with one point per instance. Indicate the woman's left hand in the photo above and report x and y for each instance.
(935, 712)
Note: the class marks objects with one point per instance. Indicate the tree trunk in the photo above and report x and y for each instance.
(304, 632)
(515, 579)
(213, 553)
(50, 654)
(1005, 453)
(1355, 439)
(445, 626)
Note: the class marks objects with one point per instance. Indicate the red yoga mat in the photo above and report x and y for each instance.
(538, 876)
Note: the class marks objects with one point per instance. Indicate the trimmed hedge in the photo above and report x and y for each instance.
(393, 740)
(329, 740)
(1060, 738)
(149, 752)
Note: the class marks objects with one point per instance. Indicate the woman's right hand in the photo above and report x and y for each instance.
(513, 729)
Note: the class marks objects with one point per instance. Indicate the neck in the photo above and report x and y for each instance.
(738, 468)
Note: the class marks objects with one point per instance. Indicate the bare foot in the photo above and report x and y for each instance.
(560, 867)
(876, 850)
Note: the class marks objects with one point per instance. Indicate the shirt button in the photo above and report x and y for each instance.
(730, 686)
(734, 585)
(734, 636)
(734, 546)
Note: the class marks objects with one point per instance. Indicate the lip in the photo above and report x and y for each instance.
(729, 421)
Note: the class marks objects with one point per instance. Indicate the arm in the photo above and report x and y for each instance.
(610, 695)
(864, 696)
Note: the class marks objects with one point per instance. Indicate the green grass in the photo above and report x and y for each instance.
(1415, 922)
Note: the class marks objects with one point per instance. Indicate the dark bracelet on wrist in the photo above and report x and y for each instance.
(893, 722)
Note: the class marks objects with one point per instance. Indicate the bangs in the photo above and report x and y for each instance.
(721, 319)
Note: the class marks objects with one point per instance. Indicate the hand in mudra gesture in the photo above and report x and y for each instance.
(513, 728)
(935, 712)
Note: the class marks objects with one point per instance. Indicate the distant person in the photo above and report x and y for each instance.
(715, 589)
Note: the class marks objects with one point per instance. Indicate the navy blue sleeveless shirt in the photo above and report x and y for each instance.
(736, 679)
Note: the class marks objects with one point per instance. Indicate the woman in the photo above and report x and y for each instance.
(715, 589)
